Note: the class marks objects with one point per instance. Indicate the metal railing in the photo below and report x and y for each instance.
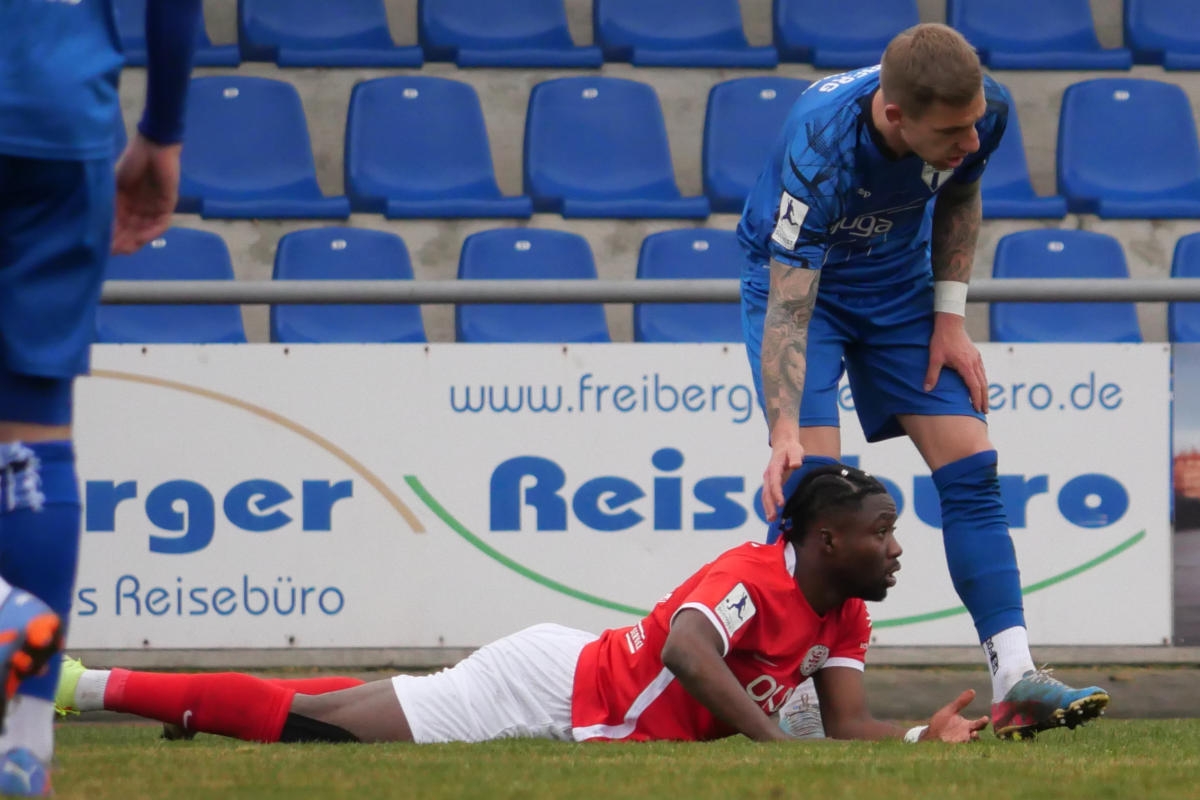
(599, 291)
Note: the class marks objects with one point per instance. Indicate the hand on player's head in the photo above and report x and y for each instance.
(147, 191)
(786, 456)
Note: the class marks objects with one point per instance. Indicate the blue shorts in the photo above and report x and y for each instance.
(56, 222)
(880, 339)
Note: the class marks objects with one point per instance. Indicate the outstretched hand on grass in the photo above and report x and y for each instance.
(948, 724)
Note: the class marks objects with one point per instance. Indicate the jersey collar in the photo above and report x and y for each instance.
(864, 104)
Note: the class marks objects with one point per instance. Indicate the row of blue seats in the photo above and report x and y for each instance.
(1015, 34)
(531, 254)
(417, 147)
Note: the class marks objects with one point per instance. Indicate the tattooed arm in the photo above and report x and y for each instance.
(784, 364)
(956, 220)
(785, 340)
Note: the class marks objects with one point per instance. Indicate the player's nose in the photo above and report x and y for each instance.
(971, 142)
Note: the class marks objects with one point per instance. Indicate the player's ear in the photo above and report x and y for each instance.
(827, 536)
(892, 113)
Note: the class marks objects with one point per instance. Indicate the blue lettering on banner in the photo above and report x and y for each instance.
(189, 509)
(654, 395)
(1093, 500)
(605, 503)
(1089, 394)
(615, 503)
(132, 597)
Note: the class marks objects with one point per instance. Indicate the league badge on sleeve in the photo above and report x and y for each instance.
(791, 217)
(736, 609)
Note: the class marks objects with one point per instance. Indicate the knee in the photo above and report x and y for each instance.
(301, 728)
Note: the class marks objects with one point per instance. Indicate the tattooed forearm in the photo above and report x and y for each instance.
(956, 220)
(785, 339)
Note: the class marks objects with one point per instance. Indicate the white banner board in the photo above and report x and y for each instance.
(257, 496)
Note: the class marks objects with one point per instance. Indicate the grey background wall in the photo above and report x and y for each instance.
(434, 245)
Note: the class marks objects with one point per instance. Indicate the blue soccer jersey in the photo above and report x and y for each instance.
(834, 198)
(70, 110)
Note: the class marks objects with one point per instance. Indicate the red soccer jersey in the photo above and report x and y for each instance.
(773, 642)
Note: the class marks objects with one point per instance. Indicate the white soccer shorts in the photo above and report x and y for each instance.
(518, 687)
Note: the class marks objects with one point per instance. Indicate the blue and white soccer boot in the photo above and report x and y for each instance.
(30, 633)
(800, 716)
(1040, 702)
(23, 775)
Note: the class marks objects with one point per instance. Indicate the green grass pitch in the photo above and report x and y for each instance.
(1110, 759)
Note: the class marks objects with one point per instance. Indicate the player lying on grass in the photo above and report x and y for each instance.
(717, 656)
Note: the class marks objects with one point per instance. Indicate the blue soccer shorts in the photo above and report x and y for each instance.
(56, 222)
(879, 338)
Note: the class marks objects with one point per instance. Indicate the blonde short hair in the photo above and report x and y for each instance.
(927, 64)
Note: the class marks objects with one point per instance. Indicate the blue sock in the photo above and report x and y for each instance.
(808, 465)
(39, 532)
(979, 549)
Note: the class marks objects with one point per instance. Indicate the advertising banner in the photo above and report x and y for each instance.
(261, 496)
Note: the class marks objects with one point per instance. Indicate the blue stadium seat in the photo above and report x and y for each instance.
(486, 33)
(321, 33)
(597, 147)
(1165, 32)
(676, 33)
(1007, 190)
(344, 254)
(689, 253)
(418, 147)
(179, 254)
(1061, 254)
(743, 119)
(528, 253)
(131, 27)
(1183, 319)
(248, 154)
(1034, 34)
(810, 30)
(1127, 149)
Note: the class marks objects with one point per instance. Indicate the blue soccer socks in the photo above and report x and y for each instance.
(979, 550)
(39, 531)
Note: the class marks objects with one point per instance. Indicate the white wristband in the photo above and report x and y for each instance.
(950, 297)
(914, 734)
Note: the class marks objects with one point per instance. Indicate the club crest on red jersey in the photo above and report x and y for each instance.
(814, 659)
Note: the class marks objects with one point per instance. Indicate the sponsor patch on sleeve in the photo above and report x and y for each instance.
(736, 609)
(792, 212)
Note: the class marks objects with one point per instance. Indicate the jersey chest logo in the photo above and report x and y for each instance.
(864, 226)
(935, 178)
(814, 659)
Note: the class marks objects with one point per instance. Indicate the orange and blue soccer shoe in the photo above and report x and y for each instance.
(1040, 702)
(30, 633)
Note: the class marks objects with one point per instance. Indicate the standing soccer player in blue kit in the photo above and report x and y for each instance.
(872, 192)
(59, 65)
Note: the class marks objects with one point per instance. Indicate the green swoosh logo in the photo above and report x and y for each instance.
(1030, 589)
(445, 516)
(520, 569)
